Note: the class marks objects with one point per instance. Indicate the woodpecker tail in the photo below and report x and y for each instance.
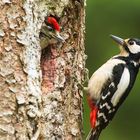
(93, 134)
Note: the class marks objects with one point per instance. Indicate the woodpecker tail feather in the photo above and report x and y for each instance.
(93, 134)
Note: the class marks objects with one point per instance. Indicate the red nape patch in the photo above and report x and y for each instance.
(93, 116)
(54, 23)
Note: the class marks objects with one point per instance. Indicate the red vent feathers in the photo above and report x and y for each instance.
(93, 112)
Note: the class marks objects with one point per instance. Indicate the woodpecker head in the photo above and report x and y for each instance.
(50, 32)
(53, 26)
(130, 47)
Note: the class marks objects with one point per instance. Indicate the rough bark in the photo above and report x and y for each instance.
(39, 96)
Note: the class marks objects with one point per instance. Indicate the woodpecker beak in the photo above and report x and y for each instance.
(119, 40)
(59, 37)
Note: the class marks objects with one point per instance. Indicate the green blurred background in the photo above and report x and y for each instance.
(121, 18)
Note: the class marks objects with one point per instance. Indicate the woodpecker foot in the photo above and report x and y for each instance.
(80, 85)
(86, 75)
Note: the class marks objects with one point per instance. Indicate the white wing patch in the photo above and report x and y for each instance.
(105, 96)
(102, 115)
(105, 105)
(122, 86)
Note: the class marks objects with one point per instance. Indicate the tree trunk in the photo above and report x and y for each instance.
(39, 96)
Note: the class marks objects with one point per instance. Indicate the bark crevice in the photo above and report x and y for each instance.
(41, 100)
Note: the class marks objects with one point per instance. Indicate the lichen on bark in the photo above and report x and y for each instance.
(60, 64)
(39, 97)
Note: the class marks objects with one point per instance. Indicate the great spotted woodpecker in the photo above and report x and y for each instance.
(109, 86)
(50, 30)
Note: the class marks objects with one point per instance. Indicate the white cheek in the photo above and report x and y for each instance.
(134, 48)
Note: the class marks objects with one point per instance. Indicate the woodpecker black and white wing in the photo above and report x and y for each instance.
(100, 79)
(93, 134)
(112, 95)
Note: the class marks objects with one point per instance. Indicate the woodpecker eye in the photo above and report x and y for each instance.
(50, 28)
(131, 42)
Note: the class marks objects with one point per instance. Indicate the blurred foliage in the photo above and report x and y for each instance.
(121, 18)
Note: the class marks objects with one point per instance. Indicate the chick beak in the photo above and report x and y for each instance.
(118, 40)
(59, 37)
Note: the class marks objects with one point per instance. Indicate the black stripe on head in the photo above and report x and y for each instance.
(126, 48)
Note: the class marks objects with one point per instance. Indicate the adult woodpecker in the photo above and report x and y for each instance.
(109, 86)
(50, 30)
